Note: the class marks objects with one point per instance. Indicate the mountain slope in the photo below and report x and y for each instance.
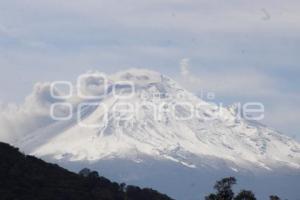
(26, 177)
(209, 136)
(145, 140)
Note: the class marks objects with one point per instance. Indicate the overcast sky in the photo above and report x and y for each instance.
(241, 50)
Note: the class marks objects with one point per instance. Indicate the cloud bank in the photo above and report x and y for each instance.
(18, 120)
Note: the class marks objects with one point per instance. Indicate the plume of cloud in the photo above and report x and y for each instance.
(92, 83)
(188, 79)
(184, 67)
(18, 120)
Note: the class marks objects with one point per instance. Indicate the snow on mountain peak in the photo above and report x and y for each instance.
(161, 120)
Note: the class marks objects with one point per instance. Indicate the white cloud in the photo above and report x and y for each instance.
(18, 120)
(184, 67)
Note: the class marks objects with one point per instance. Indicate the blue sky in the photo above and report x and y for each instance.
(241, 50)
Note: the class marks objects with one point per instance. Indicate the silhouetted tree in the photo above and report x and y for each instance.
(245, 195)
(122, 187)
(88, 173)
(211, 197)
(225, 192)
(85, 172)
(93, 174)
(274, 197)
(224, 189)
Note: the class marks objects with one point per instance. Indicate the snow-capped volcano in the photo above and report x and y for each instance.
(140, 113)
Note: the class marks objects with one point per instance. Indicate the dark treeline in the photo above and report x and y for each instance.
(28, 178)
(224, 191)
